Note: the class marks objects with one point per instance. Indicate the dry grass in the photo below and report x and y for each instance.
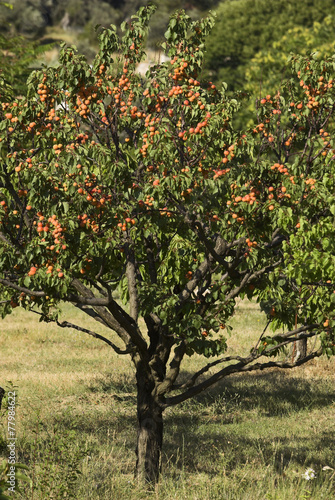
(250, 437)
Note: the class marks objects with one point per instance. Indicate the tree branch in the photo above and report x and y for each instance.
(202, 270)
(173, 373)
(250, 276)
(92, 313)
(22, 289)
(217, 250)
(298, 334)
(131, 277)
(116, 318)
(191, 381)
(6, 240)
(66, 324)
(240, 367)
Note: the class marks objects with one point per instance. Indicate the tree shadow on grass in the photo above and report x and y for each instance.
(233, 424)
(225, 451)
(219, 425)
(122, 389)
(272, 393)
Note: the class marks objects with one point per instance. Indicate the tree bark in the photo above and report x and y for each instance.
(299, 350)
(2, 393)
(150, 431)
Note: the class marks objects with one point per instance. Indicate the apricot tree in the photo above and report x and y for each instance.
(136, 198)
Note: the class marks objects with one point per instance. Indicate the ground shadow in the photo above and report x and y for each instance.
(273, 393)
(200, 431)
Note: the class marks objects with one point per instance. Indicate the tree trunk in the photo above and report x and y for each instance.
(150, 431)
(299, 350)
(2, 393)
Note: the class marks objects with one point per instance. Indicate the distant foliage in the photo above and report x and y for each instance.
(32, 18)
(17, 59)
(271, 65)
(244, 27)
(27, 18)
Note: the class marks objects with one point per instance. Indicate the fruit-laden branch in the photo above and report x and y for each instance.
(202, 270)
(9, 284)
(199, 275)
(221, 249)
(217, 249)
(15, 196)
(250, 277)
(76, 299)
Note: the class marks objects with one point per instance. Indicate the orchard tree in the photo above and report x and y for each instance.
(113, 186)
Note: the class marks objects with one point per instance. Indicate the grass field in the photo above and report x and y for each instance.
(251, 437)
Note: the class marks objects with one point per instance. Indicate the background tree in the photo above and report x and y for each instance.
(18, 58)
(244, 27)
(270, 65)
(111, 184)
(17, 54)
(26, 18)
(34, 18)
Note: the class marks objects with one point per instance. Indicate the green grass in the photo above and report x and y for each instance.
(251, 437)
